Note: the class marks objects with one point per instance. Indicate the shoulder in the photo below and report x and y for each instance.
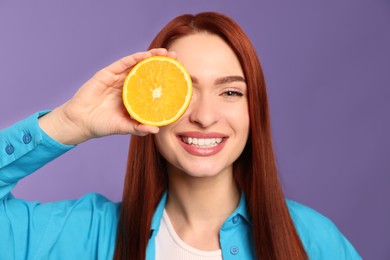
(88, 222)
(319, 235)
(307, 219)
(93, 204)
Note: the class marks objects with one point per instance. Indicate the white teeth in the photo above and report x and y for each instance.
(202, 142)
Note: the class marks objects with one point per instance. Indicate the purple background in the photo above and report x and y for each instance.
(327, 67)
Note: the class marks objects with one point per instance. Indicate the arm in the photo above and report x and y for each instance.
(29, 229)
(24, 148)
(96, 110)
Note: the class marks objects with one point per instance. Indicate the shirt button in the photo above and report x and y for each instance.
(234, 250)
(27, 138)
(9, 149)
(235, 219)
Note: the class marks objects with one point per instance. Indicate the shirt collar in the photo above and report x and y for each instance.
(240, 210)
(158, 214)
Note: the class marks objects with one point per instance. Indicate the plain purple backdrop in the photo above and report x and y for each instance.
(327, 67)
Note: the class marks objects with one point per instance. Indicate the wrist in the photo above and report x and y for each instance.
(59, 127)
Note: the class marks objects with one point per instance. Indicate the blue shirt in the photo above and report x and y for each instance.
(86, 228)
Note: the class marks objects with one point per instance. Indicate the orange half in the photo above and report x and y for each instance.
(157, 91)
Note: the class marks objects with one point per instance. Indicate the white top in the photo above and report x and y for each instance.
(170, 246)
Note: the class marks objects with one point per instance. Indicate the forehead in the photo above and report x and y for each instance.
(204, 52)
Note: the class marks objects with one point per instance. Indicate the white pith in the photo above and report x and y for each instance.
(156, 93)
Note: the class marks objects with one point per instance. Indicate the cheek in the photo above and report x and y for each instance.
(238, 117)
(164, 142)
(244, 127)
(160, 140)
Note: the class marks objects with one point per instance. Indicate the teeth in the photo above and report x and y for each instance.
(202, 142)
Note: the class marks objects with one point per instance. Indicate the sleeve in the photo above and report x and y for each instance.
(319, 235)
(24, 148)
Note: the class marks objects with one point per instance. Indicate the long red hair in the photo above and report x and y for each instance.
(255, 172)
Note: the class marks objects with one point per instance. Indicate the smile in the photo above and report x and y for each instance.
(202, 142)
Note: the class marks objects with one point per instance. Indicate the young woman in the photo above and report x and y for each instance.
(204, 187)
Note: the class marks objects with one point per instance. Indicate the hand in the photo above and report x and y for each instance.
(97, 109)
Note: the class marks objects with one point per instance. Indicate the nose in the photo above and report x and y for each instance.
(203, 111)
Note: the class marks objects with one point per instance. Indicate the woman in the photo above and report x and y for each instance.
(204, 187)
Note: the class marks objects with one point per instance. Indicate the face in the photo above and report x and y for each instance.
(213, 132)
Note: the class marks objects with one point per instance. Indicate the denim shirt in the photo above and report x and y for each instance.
(86, 228)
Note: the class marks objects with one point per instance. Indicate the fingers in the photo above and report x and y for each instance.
(125, 63)
(143, 130)
(131, 126)
(158, 52)
(172, 54)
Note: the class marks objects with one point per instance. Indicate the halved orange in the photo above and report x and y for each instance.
(157, 91)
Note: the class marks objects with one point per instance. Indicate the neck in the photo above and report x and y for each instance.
(198, 206)
(196, 200)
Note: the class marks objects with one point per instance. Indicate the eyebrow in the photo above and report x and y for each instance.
(223, 80)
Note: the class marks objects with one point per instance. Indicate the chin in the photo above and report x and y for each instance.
(208, 171)
(202, 174)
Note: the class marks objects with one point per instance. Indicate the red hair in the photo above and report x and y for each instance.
(255, 172)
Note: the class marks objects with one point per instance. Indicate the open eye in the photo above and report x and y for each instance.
(232, 93)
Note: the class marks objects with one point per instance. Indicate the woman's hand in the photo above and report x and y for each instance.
(97, 109)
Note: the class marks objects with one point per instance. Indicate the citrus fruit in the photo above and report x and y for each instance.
(157, 91)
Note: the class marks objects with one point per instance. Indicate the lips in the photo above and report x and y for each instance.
(202, 144)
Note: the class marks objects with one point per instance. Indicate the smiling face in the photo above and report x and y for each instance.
(213, 132)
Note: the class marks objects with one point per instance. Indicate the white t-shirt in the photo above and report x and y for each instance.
(169, 246)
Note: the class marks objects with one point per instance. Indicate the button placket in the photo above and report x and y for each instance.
(234, 250)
